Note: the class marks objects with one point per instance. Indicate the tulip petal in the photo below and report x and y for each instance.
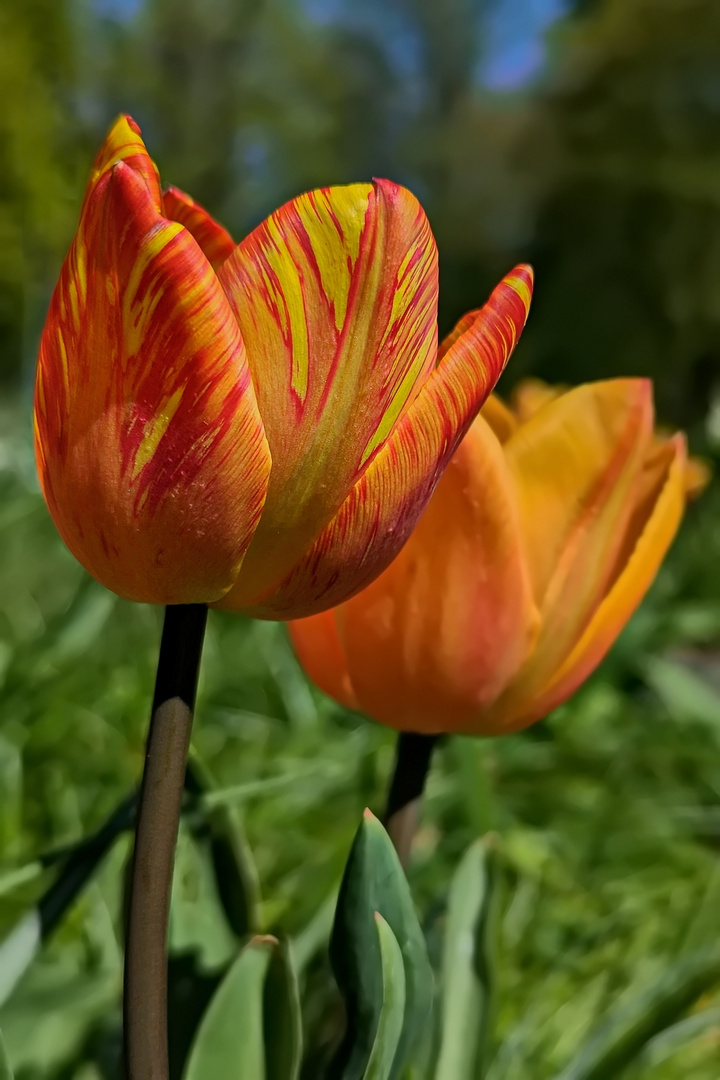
(215, 242)
(336, 298)
(149, 443)
(496, 413)
(382, 509)
(660, 511)
(578, 466)
(571, 459)
(530, 395)
(464, 323)
(432, 641)
(124, 143)
(320, 650)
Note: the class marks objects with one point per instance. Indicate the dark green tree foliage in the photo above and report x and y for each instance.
(38, 191)
(604, 172)
(628, 228)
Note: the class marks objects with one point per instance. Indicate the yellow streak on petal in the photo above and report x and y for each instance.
(522, 287)
(122, 142)
(391, 414)
(332, 244)
(154, 431)
(63, 361)
(289, 303)
(406, 287)
(137, 316)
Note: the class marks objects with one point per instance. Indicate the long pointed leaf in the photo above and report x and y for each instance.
(467, 976)
(628, 1030)
(282, 1021)
(219, 827)
(374, 882)
(229, 1041)
(6, 1072)
(392, 1014)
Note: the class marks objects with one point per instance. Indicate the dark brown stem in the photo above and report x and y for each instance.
(413, 755)
(145, 990)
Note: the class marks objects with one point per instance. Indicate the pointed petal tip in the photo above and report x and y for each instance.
(123, 124)
(124, 143)
(392, 191)
(522, 281)
(215, 241)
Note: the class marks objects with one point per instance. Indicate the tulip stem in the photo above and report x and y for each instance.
(413, 755)
(158, 816)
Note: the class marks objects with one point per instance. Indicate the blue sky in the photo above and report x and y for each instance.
(514, 51)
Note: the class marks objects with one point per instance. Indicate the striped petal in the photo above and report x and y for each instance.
(336, 296)
(657, 514)
(432, 642)
(383, 507)
(124, 143)
(215, 242)
(149, 443)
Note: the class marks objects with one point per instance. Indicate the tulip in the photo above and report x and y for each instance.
(256, 426)
(541, 539)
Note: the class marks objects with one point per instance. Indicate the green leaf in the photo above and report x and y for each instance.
(6, 1072)
(374, 882)
(468, 981)
(235, 874)
(190, 990)
(17, 952)
(685, 693)
(229, 1042)
(315, 934)
(282, 1021)
(630, 1028)
(219, 828)
(392, 1013)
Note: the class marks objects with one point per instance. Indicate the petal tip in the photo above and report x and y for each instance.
(522, 280)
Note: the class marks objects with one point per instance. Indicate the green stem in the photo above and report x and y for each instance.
(145, 990)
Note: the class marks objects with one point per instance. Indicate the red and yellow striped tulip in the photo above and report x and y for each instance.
(541, 539)
(257, 426)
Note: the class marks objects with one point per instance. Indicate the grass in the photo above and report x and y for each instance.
(608, 813)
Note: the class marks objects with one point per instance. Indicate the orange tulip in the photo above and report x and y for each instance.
(260, 425)
(541, 539)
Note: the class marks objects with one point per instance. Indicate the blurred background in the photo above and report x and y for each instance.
(581, 136)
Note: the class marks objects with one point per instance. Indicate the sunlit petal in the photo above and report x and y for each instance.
(215, 242)
(150, 446)
(448, 624)
(382, 509)
(335, 295)
(662, 509)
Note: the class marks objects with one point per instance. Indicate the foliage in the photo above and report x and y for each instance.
(607, 821)
(606, 815)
